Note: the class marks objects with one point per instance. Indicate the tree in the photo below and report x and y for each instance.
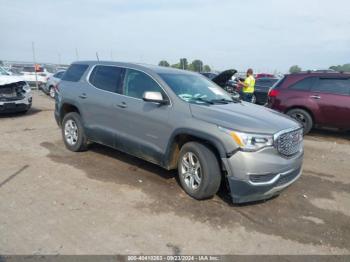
(197, 65)
(341, 68)
(183, 63)
(206, 68)
(164, 63)
(294, 69)
(176, 66)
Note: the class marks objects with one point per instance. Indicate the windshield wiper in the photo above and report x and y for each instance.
(202, 100)
(223, 101)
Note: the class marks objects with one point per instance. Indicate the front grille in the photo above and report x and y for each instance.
(290, 142)
(13, 91)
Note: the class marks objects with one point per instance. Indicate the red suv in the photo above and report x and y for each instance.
(315, 99)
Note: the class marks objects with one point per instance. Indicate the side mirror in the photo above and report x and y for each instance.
(155, 97)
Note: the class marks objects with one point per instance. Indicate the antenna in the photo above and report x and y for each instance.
(76, 53)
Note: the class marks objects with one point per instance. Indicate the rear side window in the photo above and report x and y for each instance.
(108, 78)
(339, 86)
(279, 83)
(74, 72)
(304, 84)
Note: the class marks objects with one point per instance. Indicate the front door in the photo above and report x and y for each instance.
(145, 128)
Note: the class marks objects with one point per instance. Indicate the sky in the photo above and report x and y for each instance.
(266, 35)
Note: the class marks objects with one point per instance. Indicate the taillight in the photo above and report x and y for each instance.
(273, 93)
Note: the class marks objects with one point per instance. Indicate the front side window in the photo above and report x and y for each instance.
(304, 84)
(340, 86)
(107, 78)
(136, 83)
(74, 72)
(195, 89)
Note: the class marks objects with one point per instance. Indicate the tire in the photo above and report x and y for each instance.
(206, 178)
(52, 92)
(253, 99)
(303, 117)
(73, 133)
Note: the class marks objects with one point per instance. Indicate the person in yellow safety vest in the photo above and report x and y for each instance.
(248, 86)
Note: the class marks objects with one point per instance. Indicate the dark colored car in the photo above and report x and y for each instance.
(223, 80)
(262, 87)
(315, 99)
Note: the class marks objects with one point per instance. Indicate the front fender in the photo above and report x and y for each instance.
(223, 148)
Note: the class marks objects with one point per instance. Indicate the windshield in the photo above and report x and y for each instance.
(195, 89)
(3, 72)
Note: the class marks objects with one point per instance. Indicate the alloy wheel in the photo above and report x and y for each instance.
(191, 171)
(71, 132)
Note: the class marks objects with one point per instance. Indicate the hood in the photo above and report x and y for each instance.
(5, 80)
(222, 78)
(244, 117)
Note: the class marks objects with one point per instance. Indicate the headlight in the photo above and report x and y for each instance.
(248, 141)
(26, 87)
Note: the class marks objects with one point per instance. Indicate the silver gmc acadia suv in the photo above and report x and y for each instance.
(180, 120)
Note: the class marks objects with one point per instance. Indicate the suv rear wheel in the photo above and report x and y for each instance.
(73, 132)
(199, 171)
(52, 92)
(303, 117)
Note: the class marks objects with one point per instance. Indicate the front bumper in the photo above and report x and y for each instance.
(254, 176)
(20, 105)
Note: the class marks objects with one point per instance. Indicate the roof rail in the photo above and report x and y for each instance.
(328, 71)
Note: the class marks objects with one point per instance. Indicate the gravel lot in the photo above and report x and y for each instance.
(105, 202)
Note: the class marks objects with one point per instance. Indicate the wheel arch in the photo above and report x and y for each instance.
(68, 108)
(303, 108)
(182, 136)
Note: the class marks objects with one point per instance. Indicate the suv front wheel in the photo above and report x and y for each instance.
(73, 132)
(199, 170)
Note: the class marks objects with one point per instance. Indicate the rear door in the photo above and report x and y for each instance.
(333, 98)
(100, 99)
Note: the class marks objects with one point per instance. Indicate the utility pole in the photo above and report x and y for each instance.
(76, 53)
(97, 57)
(34, 60)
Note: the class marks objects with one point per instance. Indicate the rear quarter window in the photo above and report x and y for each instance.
(74, 72)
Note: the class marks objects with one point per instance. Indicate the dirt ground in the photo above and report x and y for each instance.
(53, 201)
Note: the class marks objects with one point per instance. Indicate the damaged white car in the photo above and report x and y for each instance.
(15, 94)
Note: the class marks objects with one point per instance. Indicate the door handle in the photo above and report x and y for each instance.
(315, 97)
(122, 105)
(83, 96)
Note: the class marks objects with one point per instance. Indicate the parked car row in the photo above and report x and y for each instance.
(182, 120)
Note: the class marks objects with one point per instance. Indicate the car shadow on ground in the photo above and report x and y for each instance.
(30, 112)
(291, 216)
(329, 135)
